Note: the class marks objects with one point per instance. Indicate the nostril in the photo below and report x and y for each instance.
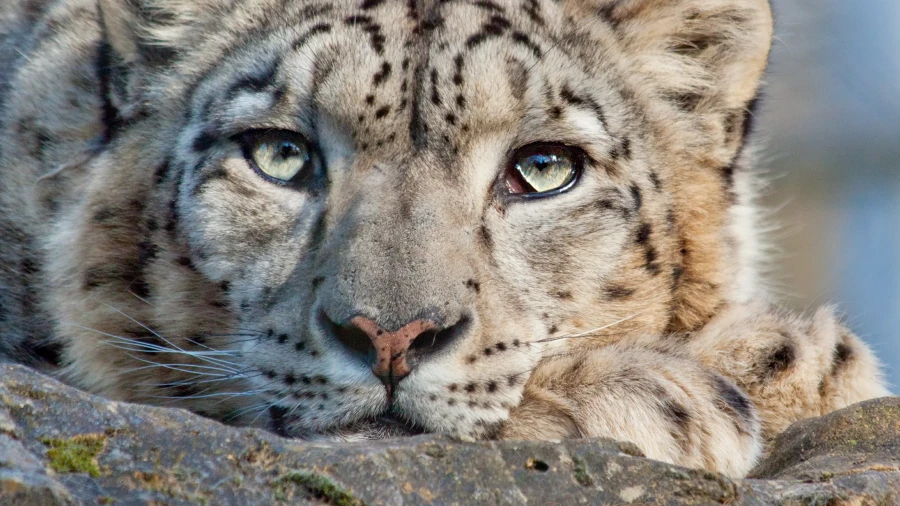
(434, 341)
(351, 337)
(391, 354)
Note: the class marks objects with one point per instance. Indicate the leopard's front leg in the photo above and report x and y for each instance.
(792, 366)
(671, 407)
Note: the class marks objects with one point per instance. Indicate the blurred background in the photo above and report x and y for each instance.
(831, 120)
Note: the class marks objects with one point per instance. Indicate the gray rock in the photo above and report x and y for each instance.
(59, 445)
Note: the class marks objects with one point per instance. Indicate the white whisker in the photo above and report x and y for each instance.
(589, 333)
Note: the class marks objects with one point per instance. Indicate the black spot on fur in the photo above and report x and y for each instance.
(161, 173)
(370, 4)
(618, 292)
(203, 142)
(382, 75)
(109, 115)
(637, 197)
(435, 93)
(677, 273)
(654, 180)
(278, 416)
(97, 276)
(644, 232)
(687, 101)
(486, 238)
(728, 178)
(488, 5)
(457, 75)
(781, 359)
(47, 351)
(312, 32)
(843, 353)
(625, 152)
(366, 24)
(473, 285)
(495, 27)
(358, 20)
(567, 95)
(256, 82)
(533, 9)
(432, 24)
(733, 400)
(564, 295)
(651, 256)
(382, 111)
(680, 419)
(608, 14)
(525, 40)
(186, 262)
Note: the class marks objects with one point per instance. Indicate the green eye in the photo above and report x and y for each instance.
(279, 155)
(543, 168)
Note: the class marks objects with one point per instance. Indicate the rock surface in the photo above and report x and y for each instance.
(62, 446)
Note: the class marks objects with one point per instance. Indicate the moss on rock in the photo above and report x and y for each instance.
(76, 455)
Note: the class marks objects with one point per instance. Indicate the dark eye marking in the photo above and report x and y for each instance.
(254, 83)
(581, 102)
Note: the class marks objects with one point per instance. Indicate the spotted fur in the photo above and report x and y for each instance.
(144, 260)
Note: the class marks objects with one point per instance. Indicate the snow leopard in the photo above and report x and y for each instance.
(359, 219)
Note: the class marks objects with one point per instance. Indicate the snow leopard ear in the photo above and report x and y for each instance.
(710, 54)
(149, 32)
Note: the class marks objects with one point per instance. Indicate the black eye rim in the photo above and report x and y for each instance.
(579, 159)
(249, 139)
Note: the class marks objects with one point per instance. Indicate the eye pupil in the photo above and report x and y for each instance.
(288, 150)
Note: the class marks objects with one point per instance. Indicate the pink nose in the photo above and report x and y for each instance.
(391, 347)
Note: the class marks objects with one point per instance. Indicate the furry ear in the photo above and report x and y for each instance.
(707, 54)
(149, 32)
(705, 60)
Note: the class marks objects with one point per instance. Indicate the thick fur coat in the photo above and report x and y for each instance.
(145, 260)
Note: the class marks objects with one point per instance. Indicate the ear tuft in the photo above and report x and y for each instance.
(149, 32)
(708, 54)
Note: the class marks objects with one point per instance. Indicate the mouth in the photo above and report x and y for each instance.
(387, 425)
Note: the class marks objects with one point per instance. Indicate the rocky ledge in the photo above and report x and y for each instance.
(59, 445)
